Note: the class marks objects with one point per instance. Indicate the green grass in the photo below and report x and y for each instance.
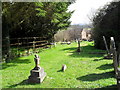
(86, 69)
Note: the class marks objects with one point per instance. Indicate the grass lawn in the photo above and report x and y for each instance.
(86, 69)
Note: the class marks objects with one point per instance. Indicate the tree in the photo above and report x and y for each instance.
(56, 17)
(107, 23)
(26, 19)
(35, 19)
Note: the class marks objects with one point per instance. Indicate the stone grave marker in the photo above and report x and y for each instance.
(37, 74)
(106, 46)
(118, 58)
(109, 56)
(118, 78)
(118, 69)
(113, 50)
(64, 67)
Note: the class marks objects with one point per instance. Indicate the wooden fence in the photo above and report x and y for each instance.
(29, 42)
(26, 43)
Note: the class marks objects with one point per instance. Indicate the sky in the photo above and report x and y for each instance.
(84, 9)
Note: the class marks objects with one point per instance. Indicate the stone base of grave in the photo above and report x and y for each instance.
(37, 76)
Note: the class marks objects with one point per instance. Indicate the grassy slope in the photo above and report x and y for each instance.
(84, 70)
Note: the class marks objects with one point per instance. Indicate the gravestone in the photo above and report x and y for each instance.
(37, 74)
(64, 67)
(118, 69)
(109, 56)
(115, 61)
(112, 45)
(118, 78)
(113, 50)
(118, 54)
(106, 46)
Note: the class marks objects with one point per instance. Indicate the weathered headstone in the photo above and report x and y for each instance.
(112, 45)
(116, 59)
(113, 50)
(37, 74)
(64, 67)
(106, 44)
(118, 69)
(118, 55)
(109, 56)
(118, 78)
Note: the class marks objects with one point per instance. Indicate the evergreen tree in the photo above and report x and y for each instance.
(42, 19)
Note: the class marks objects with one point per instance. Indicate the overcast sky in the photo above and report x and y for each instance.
(83, 9)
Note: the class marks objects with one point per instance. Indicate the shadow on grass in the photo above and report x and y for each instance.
(6, 65)
(98, 59)
(20, 61)
(106, 66)
(111, 87)
(15, 62)
(24, 82)
(59, 71)
(94, 76)
(86, 51)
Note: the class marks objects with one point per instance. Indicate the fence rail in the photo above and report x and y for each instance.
(25, 43)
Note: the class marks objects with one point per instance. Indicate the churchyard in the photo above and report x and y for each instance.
(85, 69)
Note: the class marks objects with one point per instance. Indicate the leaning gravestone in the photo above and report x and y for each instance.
(106, 46)
(114, 52)
(116, 58)
(109, 56)
(118, 54)
(118, 78)
(37, 74)
(118, 69)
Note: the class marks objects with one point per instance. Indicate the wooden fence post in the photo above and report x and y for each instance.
(27, 47)
(8, 50)
(18, 47)
(34, 38)
(78, 50)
